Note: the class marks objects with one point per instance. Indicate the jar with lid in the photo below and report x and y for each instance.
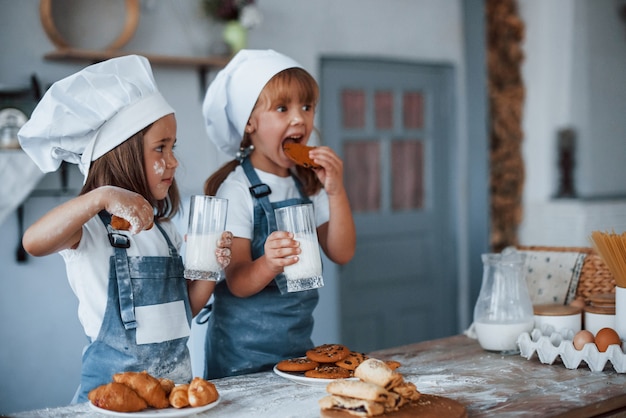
(560, 318)
(503, 310)
(600, 313)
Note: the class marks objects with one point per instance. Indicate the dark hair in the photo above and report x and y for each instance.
(123, 167)
(281, 86)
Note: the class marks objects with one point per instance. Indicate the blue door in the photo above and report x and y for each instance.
(393, 125)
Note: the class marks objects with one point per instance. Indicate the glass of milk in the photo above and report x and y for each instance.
(306, 274)
(207, 222)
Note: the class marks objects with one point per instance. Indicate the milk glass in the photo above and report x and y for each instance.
(503, 310)
(207, 222)
(306, 274)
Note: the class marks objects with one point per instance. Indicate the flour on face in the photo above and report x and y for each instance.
(159, 167)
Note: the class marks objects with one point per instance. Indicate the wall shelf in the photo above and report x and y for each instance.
(203, 64)
(73, 54)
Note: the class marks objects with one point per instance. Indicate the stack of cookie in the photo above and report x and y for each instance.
(327, 361)
(379, 390)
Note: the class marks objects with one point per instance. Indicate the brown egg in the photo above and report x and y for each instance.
(581, 338)
(606, 337)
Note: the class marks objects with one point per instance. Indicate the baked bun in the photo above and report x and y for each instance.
(179, 396)
(299, 154)
(201, 392)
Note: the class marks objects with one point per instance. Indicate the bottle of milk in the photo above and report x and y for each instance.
(503, 310)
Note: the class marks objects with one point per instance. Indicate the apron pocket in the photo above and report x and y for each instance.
(163, 322)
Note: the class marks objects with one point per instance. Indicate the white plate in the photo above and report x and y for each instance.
(157, 413)
(300, 378)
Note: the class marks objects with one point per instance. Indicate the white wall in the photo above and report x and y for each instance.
(575, 77)
(40, 334)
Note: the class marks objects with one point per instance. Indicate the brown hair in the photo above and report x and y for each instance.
(279, 87)
(123, 167)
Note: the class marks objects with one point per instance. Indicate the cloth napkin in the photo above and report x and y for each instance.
(552, 276)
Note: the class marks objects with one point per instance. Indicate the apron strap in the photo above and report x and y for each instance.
(173, 251)
(125, 289)
(260, 193)
(120, 242)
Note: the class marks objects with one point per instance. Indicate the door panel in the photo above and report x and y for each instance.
(391, 122)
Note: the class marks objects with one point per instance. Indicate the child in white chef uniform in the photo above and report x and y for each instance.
(134, 303)
(259, 101)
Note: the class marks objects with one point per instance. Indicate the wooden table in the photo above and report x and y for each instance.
(488, 384)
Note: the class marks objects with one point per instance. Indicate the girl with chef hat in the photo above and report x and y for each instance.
(134, 304)
(259, 101)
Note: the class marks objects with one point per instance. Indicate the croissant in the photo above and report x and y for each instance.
(117, 397)
(201, 392)
(146, 386)
(167, 385)
(179, 397)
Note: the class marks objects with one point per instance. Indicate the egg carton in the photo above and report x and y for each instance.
(550, 344)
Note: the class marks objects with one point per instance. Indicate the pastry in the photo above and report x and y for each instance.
(167, 385)
(122, 224)
(392, 364)
(358, 407)
(376, 371)
(146, 386)
(117, 397)
(300, 364)
(201, 392)
(328, 353)
(359, 390)
(394, 402)
(352, 361)
(179, 396)
(407, 390)
(119, 223)
(299, 154)
(328, 371)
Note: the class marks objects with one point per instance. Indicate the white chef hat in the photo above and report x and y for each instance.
(231, 96)
(85, 115)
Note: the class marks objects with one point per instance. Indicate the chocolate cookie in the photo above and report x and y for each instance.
(328, 353)
(328, 371)
(299, 154)
(300, 364)
(352, 361)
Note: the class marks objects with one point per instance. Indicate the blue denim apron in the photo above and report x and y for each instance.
(136, 283)
(247, 335)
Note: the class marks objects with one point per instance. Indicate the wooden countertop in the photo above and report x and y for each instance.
(488, 384)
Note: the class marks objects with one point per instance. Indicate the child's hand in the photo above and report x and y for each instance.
(222, 253)
(331, 171)
(130, 206)
(281, 250)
